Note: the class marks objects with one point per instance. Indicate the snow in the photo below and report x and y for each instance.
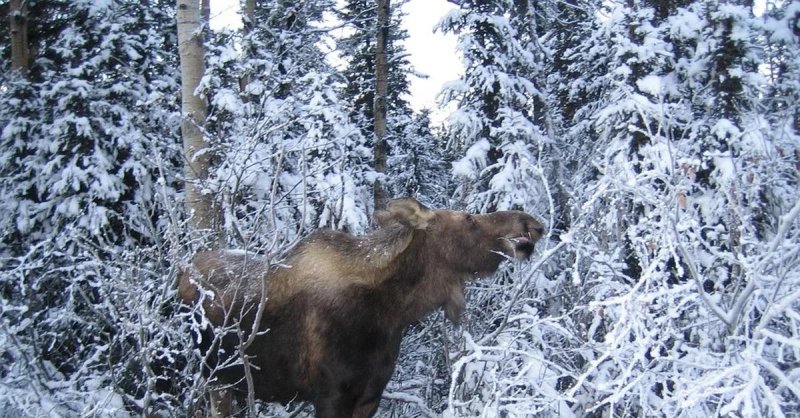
(227, 99)
(651, 85)
(686, 24)
(668, 283)
(474, 159)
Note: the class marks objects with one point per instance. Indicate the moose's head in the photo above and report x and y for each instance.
(464, 242)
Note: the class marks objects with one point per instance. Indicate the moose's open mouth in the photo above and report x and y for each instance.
(521, 247)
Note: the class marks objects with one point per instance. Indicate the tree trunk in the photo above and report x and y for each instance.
(248, 23)
(205, 10)
(249, 14)
(18, 25)
(381, 89)
(205, 215)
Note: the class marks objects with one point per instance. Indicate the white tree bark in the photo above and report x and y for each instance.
(205, 213)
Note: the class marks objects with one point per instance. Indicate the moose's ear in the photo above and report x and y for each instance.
(407, 211)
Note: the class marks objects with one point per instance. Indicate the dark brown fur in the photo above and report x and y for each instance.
(338, 305)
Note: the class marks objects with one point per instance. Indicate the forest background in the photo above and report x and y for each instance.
(658, 140)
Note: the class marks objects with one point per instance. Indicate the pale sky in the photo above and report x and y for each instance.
(432, 54)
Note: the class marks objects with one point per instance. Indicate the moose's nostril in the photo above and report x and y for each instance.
(539, 229)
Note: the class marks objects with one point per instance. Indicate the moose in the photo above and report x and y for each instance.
(329, 318)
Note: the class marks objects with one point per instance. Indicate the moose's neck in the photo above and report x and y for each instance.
(418, 285)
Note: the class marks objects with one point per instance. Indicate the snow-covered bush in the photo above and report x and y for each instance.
(673, 292)
(89, 155)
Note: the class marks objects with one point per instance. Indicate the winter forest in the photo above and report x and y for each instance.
(657, 140)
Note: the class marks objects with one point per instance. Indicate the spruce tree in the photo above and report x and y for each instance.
(359, 50)
(680, 186)
(290, 158)
(495, 126)
(418, 162)
(89, 155)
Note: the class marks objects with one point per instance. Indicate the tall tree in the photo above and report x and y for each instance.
(204, 211)
(671, 87)
(381, 88)
(359, 50)
(495, 128)
(18, 25)
(417, 162)
(286, 138)
(782, 37)
(88, 159)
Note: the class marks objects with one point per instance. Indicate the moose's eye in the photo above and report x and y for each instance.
(470, 219)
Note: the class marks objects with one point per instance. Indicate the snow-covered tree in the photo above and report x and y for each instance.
(88, 155)
(203, 207)
(494, 125)
(782, 37)
(682, 168)
(417, 162)
(680, 189)
(358, 49)
(287, 140)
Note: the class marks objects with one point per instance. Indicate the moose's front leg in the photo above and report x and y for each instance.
(348, 399)
(367, 407)
(380, 367)
(354, 389)
(333, 405)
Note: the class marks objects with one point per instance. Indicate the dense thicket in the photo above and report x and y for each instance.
(89, 158)
(674, 287)
(658, 140)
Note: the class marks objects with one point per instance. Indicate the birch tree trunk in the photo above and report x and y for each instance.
(205, 215)
(18, 25)
(381, 89)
